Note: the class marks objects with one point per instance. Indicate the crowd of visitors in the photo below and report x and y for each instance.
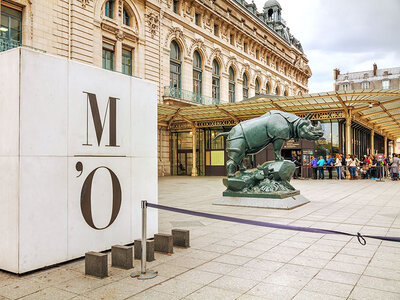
(350, 167)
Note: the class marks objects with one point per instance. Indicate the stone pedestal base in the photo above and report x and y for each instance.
(272, 202)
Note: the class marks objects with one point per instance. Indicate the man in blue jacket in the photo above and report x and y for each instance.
(321, 163)
(314, 166)
(329, 165)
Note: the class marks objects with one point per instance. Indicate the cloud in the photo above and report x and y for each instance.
(348, 34)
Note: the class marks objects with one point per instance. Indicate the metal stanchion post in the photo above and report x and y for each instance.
(340, 173)
(381, 178)
(144, 273)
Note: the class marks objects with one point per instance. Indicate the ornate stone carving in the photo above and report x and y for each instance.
(215, 53)
(119, 35)
(120, 7)
(246, 68)
(197, 44)
(232, 61)
(84, 3)
(152, 21)
(177, 33)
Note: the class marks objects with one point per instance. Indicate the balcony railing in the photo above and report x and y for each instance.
(6, 44)
(188, 96)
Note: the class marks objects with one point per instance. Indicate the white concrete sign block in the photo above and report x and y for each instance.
(78, 152)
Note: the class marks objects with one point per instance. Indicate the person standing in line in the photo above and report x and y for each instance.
(314, 166)
(297, 165)
(329, 165)
(369, 162)
(344, 165)
(338, 165)
(351, 164)
(357, 162)
(321, 163)
(395, 167)
(386, 162)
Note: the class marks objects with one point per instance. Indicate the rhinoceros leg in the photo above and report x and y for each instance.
(231, 168)
(278, 144)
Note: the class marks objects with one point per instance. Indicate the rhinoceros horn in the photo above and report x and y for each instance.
(319, 126)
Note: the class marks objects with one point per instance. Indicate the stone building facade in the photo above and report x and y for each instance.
(372, 79)
(375, 78)
(225, 49)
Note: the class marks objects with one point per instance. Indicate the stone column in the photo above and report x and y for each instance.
(207, 83)
(224, 88)
(187, 75)
(194, 159)
(239, 90)
(372, 142)
(386, 149)
(140, 56)
(118, 56)
(348, 135)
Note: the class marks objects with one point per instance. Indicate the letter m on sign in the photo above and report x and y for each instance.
(99, 125)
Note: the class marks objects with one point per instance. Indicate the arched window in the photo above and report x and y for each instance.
(215, 82)
(109, 9)
(197, 77)
(245, 86)
(257, 87)
(277, 91)
(231, 85)
(175, 70)
(277, 66)
(126, 18)
(285, 93)
(267, 89)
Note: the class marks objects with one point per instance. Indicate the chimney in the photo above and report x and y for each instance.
(375, 68)
(336, 73)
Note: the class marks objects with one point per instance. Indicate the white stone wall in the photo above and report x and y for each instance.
(52, 151)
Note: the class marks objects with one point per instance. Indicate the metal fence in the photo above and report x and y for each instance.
(188, 96)
(6, 44)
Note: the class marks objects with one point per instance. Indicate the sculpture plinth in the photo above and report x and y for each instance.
(269, 184)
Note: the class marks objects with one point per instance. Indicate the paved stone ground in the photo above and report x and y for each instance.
(235, 261)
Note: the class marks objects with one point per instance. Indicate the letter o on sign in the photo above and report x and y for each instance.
(86, 198)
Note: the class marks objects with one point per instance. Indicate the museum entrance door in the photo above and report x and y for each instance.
(182, 152)
(184, 163)
(288, 153)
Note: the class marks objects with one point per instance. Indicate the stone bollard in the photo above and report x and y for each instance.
(149, 250)
(163, 243)
(181, 237)
(96, 264)
(122, 257)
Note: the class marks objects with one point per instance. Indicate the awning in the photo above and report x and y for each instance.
(373, 108)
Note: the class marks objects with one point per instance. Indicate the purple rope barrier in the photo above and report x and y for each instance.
(360, 237)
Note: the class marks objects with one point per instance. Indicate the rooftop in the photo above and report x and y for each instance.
(368, 74)
(271, 16)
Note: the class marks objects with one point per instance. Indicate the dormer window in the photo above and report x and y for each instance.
(385, 84)
(345, 86)
(365, 85)
(109, 9)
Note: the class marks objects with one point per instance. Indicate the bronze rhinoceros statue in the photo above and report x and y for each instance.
(276, 127)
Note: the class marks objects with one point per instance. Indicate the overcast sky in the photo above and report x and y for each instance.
(347, 34)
